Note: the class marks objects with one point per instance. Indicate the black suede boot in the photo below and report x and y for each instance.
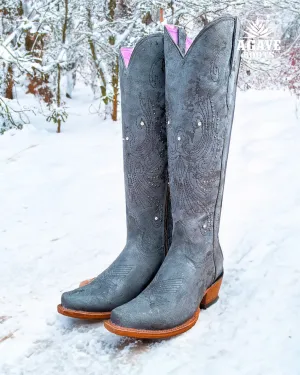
(142, 80)
(200, 98)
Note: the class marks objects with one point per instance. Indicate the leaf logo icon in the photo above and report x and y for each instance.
(257, 30)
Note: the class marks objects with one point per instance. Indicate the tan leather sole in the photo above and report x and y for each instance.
(82, 314)
(210, 297)
(86, 282)
(149, 334)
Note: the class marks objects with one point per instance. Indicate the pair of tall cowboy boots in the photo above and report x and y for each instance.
(178, 102)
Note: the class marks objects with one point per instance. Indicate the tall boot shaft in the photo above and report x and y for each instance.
(142, 84)
(142, 80)
(200, 105)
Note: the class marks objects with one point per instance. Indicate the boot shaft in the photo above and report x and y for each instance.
(200, 96)
(142, 81)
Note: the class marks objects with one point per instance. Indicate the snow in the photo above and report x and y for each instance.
(63, 220)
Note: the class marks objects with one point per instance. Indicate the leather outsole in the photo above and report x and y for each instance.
(209, 298)
(152, 334)
(82, 314)
(86, 282)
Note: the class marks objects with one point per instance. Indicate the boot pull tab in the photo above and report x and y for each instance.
(181, 40)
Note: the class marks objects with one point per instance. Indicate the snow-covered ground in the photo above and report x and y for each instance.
(61, 198)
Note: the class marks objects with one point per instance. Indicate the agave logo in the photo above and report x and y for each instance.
(257, 29)
(257, 42)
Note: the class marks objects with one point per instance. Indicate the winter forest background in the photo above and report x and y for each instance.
(46, 46)
(63, 211)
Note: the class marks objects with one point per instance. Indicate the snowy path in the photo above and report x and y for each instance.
(61, 196)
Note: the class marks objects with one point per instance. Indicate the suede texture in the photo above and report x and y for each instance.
(200, 97)
(146, 189)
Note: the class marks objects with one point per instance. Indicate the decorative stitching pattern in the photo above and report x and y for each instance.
(155, 79)
(194, 154)
(215, 64)
(162, 290)
(145, 161)
(120, 271)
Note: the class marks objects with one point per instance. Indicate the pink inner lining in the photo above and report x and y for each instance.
(188, 43)
(173, 31)
(126, 53)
